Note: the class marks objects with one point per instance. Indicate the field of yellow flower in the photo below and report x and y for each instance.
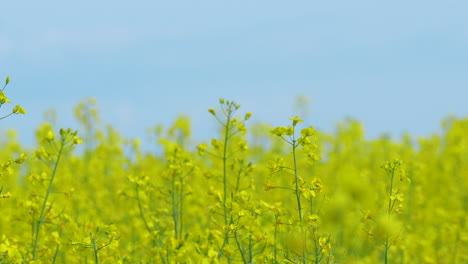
(286, 194)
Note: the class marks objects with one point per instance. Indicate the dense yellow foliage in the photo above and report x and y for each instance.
(288, 194)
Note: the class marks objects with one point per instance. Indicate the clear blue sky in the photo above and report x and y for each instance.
(397, 66)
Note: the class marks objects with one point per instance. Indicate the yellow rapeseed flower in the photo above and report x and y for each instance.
(21, 158)
(77, 140)
(19, 110)
(3, 98)
(295, 120)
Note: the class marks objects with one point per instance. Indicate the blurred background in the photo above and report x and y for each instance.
(398, 66)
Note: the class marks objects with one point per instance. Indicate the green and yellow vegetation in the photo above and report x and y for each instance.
(287, 194)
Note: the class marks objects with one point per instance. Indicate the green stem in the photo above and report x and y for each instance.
(317, 251)
(42, 215)
(250, 249)
(140, 208)
(6, 116)
(276, 239)
(387, 245)
(96, 258)
(238, 180)
(391, 192)
(240, 248)
(298, 193)
(386, 251)
(174, 209)
(56, 253)
(226, 137)
(181, 208)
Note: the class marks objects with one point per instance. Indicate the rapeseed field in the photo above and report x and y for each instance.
(254, 194)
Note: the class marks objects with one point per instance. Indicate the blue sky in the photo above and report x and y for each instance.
(398, 66)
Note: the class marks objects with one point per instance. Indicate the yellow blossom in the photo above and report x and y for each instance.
(21, 158)
(295, 120)
(19, 110)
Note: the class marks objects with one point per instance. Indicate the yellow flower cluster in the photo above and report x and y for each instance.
(4, 99)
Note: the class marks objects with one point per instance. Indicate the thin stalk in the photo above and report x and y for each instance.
(56, 253)
(317, 251)
(276, 239)
(296, 176)
(226, 135)
(226, 138)
(181, 208)
(240, 248)
(6, 116)
(140, 208)
(391, 192)
(250, 249)
(390, 205)
(96, 258)
(238, 180)
(42, 215)
(386, 251)
(174, 209)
